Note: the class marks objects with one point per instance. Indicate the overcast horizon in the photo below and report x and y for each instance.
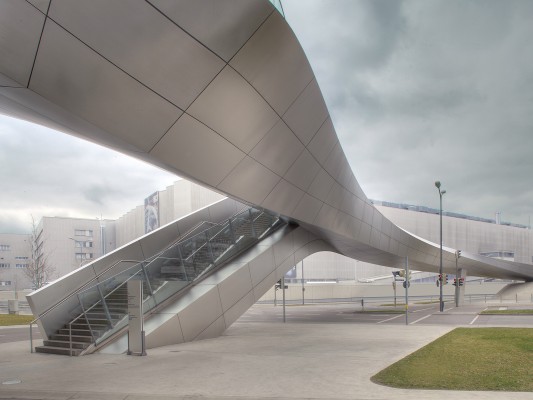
(418, 91)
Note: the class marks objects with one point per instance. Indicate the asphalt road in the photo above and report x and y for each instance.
(350, 313)
(354, 314)
(15, 334)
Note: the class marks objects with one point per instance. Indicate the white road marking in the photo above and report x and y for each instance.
(474, 320)
(420, 319)
(390, 319)
(423, 309)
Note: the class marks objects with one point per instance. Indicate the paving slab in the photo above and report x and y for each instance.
(251, 361)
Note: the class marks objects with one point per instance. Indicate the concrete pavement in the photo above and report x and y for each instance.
(251, 361)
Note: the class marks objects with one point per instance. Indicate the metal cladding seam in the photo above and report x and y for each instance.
(219, 92)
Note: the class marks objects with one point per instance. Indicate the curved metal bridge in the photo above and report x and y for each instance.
(219, 92)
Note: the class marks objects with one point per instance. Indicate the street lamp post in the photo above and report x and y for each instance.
(441, 301)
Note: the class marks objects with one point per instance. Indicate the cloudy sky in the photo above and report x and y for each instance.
(418, 91)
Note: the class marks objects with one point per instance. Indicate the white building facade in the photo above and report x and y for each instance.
(488, 237)
(69, 243)
(14, 258)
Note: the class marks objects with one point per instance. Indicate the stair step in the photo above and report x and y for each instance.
(98, 321)
(111, 310)
(85, 326)
(57, 350)
(60, 343)
(75, 338)
(102, 315)
(75, 332)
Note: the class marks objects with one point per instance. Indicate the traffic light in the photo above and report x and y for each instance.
(454, 281)
(445, 279)
(278, 285)
(439, 280)
(407, 276)
(461, 281)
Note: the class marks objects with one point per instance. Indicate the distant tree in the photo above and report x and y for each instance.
(39, 271)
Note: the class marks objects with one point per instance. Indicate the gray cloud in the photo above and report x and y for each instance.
(429, 90)
(52, 174)
(418, 91)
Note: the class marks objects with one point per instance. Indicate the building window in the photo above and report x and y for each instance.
(4, 247)
(499, 254)
(21, 265)
(83, 232)
(21, 258)
(84, 256)
(5, 283)
(4, 265)
(84, 244)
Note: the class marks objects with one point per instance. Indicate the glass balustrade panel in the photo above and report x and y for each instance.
(170, 271)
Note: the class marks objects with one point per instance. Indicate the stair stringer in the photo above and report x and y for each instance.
(211, 306)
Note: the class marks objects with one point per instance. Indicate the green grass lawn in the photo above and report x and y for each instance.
(508, 312)
(12, 319)
(468, 359)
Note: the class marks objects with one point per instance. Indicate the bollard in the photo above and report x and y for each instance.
(13, 307)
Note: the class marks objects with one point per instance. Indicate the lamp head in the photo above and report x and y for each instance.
(444, 191)
(437, 184)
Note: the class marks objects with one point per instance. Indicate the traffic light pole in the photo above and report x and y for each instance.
(283, 286)
(457, 277)
(407, 282)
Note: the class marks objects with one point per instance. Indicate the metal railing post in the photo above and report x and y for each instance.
(104, 305)
(252, 222)
(232, 232)
(70, 338)
(147, 279)
(208, 243)
(86, 319)
(31, 338)
(182, 263)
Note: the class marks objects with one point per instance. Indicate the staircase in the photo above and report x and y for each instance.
(86, 328)
(104, 307)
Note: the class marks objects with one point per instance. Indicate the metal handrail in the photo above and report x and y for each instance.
(84, 313)
(81, 288)
(78, 290)
(175, 243)
(119, 262)
(222, 225)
